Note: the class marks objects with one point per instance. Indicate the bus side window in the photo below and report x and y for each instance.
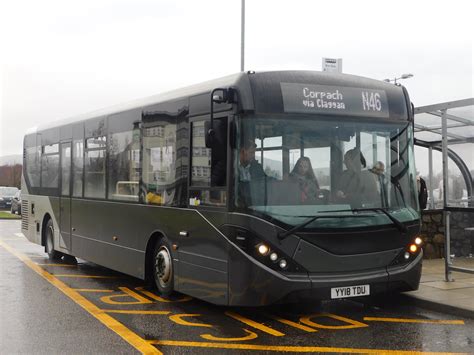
(219, 154)
(208, 165)
(124, 161)
(77, 167)
(94, 167)
(33, 165)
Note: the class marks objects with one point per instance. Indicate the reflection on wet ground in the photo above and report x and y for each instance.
(182, 324)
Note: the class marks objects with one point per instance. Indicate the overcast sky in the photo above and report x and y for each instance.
(62, 58)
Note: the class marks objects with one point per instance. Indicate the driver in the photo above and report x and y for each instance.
(249, 168)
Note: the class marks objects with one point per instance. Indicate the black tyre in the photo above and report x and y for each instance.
(49, 242)
(163, 270)
(12, 210)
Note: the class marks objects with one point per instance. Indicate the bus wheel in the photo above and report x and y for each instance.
(49, 245)
(163, 268)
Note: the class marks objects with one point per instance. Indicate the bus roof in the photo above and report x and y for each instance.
(263, 88)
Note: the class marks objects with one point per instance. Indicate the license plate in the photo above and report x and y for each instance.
(350, 291)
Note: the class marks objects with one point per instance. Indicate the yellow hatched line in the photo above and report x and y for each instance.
(293, 324)
(91, 290)
(407, 320)
(126, 311)
(132, 338)
(283, 348)
(254, 324)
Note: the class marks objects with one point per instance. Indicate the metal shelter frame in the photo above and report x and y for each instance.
(442, 136)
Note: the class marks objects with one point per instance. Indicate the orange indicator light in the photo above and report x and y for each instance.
(413, 248)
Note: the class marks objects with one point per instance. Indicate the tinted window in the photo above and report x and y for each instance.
(77, 167)
(50, 166)
(33, 166)
(201, 157)
(94, 168)
(124, 163)
(65, 169)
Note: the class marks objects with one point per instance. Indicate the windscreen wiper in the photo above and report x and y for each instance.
(283, 235)
(400, 226)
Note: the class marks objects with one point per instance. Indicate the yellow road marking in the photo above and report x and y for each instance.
(254, 324)
(65, 265)
(90, 290)
(283, 348)
(161, 299)
(293, 324)
(85, 276)
(352, 323)
(129, 336)
(128, 294)
(127, 311)
(250, 335)
(177, 318)
(405, 320)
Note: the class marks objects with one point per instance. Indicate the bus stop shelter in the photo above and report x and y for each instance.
(447, 130)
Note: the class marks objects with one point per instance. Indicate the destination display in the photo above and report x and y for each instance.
(326, 99)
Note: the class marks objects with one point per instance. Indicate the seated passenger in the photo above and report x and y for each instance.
(303, 174)
(356, 185)
(381, 180)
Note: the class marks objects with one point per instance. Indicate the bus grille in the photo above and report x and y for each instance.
(24, 215)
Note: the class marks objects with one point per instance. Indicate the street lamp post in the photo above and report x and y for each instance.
(242, 37)
(403, 76)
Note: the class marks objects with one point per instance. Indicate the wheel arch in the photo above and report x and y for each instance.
(152, 240)
(46, 218)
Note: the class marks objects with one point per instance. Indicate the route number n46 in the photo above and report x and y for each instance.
(371, 101)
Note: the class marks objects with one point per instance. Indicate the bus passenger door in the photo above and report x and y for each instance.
(65, 197)
(203, 252)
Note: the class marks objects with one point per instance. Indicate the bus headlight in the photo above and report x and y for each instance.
(263, 249)
(413, 248)
(418, 241)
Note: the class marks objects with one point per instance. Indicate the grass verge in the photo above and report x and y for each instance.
(8, 215)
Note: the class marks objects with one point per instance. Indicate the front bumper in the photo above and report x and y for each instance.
(252, 284)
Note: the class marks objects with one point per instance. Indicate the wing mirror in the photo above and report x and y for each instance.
(213, 135)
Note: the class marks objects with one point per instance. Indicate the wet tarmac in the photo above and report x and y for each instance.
(84, 308)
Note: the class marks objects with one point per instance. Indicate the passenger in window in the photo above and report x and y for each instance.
(378, 168)
(249, 168)
(356, 186)
(379, 173)
(303, 174)
(380, 180)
